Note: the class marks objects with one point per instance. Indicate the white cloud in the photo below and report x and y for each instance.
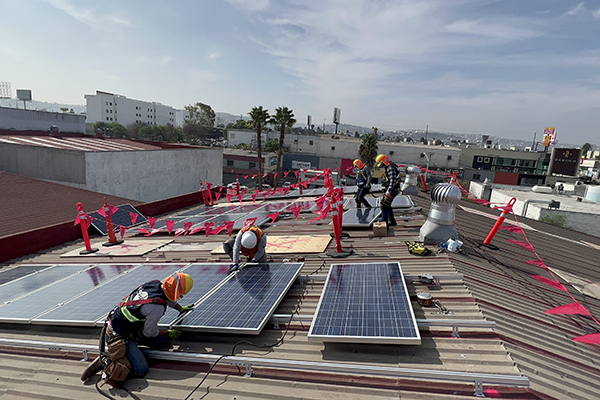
(252, 5)
(505, 30)
(82, 15)
(575, 9)
(596, 14)
(213, 57)
(201, 78)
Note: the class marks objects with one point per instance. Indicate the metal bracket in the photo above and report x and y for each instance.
(275, 323)
(455, 331)
(479, 389)
(85, 356)
(248, 367)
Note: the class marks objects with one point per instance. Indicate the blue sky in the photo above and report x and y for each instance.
(503, 68)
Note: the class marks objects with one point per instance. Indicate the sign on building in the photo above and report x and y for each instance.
(549, 136)
(301, 164)
(564, 161)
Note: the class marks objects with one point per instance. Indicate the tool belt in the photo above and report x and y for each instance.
(118, 366)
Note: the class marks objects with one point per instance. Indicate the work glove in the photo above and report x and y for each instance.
(234, 267)
(173, 334)
(186, 309)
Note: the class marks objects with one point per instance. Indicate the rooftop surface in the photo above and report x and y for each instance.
(496, 287)
(77, 143)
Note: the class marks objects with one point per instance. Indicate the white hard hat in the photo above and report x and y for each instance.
(249, 240)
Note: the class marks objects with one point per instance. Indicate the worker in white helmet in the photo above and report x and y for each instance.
(251, 241)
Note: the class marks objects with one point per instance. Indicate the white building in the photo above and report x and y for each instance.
(110, 107)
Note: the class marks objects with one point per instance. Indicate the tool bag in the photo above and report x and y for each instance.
(418, 248)
(386, 202)
(117, 366)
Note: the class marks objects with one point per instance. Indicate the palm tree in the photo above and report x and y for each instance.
(259, 117)
(368, 149)
(284, 117)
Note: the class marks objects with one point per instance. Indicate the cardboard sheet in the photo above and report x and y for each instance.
(292, 244)
(130, 247)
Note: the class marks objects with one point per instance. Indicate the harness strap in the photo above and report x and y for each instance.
(155, 300)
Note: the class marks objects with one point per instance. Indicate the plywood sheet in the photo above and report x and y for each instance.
(189, 247)
(128, 248)
(292, 244)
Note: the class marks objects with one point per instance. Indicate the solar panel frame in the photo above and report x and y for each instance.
(20, 271)
(235, 299)
(99, 301)
(359, 310)
(121, 217)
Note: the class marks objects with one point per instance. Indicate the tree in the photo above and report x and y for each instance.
(259, 117)
(174, 133)
(367, 151)
(585, 148)
(201, 119)
(284, 118)
(271, 146)
(240, 124)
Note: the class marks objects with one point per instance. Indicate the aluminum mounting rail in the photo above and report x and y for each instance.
(323, 367)
(322, 277)
(422, 323)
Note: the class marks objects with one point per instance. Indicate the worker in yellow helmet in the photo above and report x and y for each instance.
(135, 321)
(391, 183)
(363, 181)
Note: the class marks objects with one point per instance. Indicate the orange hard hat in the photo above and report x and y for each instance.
(177, 285)
(382, 159)
(358, 164)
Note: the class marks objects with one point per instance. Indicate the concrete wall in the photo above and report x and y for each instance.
(59, 165)
(151, 175)
(401, 153)
(32, 120)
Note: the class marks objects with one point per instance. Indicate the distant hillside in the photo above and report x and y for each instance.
(43, 106)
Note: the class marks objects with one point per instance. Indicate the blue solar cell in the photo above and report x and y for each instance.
(206, 277)
(30, 283)
(121, 217)
(19, 272)
(360, 217)
(27, 307)
(94, 305)
(244, 303)
(366, 303)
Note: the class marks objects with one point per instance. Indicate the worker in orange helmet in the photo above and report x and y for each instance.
(391, 183)
(135, 321)
(363, 181)
(251, 242)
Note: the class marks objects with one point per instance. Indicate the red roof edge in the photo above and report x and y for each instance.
(22, 244)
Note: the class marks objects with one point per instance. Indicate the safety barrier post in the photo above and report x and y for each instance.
(424, 183)
(237, 185)
(505, 212)
(84, 230)
(337, 211)
(204, 196)
(300, 184)
(112, 239)
(210, 198)
(453, 179)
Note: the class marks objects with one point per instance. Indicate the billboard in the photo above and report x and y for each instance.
(24, 94)
(549, 136)
(337, 113)
(564, 161)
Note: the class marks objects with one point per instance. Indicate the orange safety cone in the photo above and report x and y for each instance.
(82, 220)
(112, 239)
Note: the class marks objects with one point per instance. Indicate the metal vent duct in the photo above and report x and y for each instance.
(439, 226)
(409, 187)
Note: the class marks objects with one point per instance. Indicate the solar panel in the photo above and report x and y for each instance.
(244, 303)
(195, 211)
(351, 203)
(19, 272)
(306, 206)
(360, 217)
(365, 303)
(91, 307)
(121, 217)
(25, 308)
(206, 277)
(38, 280)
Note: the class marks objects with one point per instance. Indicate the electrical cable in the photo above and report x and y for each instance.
(262, 346)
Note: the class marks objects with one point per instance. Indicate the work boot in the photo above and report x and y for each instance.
(92, 369)
(393, 223)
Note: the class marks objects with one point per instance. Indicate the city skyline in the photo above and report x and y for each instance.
(500, 68)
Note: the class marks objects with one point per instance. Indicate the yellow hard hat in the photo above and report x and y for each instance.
(382, 159)
(177, 285)
(358, 164)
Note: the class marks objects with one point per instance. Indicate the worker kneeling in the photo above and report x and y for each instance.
(135, 321)
(251, 241)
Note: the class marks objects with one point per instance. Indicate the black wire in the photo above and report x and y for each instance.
(261, 346)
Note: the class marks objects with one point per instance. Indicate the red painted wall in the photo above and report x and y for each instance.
(506, 178)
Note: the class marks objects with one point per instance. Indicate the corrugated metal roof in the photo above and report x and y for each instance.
(77, 143)
(478, 350)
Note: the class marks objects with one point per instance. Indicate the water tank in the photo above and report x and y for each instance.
(541, 189)
(593, 194)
